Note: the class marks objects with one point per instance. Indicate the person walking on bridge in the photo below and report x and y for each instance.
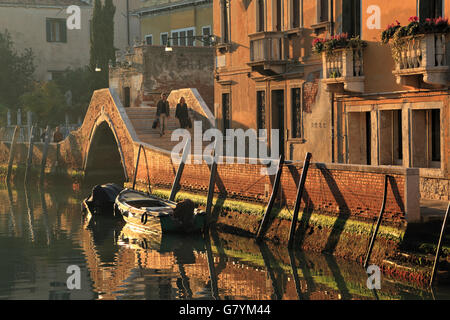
(162, 112)
(182, 113)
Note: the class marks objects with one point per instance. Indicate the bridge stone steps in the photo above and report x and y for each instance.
(142, 119)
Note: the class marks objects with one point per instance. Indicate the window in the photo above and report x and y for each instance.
(56, 30)
(278, 16)
(183, 37)
(226, 112)
(430, 9)
(225, 19)
(390, 137)
(322, 11)
(206, 32)
(359, 137)
(260, 15)
(435, 135)
(351, 17)
(296, 112)
(261, 109)
(174, 38)
(56, 75)
(295, 14)
(164, 37)
(149, 39)
(426, 138)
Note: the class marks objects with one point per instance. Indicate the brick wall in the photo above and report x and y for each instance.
(336, 189)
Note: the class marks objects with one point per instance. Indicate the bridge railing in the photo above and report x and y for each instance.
(6, 133)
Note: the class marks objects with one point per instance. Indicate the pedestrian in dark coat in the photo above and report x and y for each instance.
(162, 112)
(182, 114)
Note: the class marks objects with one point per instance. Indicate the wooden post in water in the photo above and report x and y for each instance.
(276, 185)
(30, 155)
(439, 246)
(372, 241)
(212, 183)
(301, 186)
(11, 152)
(176, 182)
(137, 165)
(44, 154)
(212, 269)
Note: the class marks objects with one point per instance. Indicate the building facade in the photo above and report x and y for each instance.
(41, 26)
(354, 106)
(176, 22)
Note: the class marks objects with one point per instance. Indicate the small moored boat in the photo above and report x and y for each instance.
(101, 201)
(147, 213)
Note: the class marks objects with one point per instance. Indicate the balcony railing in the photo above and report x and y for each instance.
(423, 56)
(268, 52)
(343, 70)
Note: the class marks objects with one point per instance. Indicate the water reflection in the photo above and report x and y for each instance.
(42, 232)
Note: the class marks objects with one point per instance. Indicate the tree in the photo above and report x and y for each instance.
(47, 103)
(16, 73)
(102, 42)
(78, 82)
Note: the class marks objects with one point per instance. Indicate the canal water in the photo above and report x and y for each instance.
(44, 237)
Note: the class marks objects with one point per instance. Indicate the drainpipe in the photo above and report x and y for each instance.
(128, 22)
(332, 94)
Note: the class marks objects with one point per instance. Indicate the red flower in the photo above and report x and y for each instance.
(413, 19)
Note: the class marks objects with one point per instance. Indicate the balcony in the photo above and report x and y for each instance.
(423, 58)
(268, 53)
(343, 70)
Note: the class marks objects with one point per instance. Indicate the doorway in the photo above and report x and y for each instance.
(126, 97)
(278, 115)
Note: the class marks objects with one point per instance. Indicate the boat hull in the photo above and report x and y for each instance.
(159, 220)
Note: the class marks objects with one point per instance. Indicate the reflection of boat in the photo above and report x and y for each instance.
(150, 214)
(101, 200)
(161, 242)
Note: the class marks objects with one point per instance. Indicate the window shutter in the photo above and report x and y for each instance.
(48, 32)
(63, 30)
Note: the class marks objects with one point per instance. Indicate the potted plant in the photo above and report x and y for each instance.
(339, 41)
(401, 36)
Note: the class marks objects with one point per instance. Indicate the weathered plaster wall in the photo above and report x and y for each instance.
(150, 71)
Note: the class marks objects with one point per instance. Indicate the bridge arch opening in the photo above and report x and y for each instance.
(104, 161)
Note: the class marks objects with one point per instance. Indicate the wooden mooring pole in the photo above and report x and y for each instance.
(30, 155)
(212, 183)
(275, 188)
(176, 182)
(372, 241)
(44, 154)
(136, 167)
(298, 200)
(439, 246)
(11, 152)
